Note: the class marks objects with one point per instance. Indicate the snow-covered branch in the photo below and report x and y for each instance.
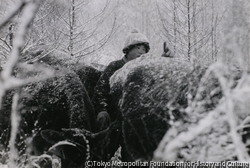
(6, 80)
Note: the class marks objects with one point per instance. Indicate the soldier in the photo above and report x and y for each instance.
(136, 44)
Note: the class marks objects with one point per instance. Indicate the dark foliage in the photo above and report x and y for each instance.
(75, 146)
(89, 77)
(5, 118)
(215, 89)
(59, 102)
(153, 95)
(147, 90)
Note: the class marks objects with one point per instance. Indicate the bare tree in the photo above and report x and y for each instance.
(7, 80)
(188, 26)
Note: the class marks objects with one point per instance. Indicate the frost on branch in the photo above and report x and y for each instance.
(212, 134)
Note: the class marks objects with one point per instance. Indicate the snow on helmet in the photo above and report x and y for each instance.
(135, 38)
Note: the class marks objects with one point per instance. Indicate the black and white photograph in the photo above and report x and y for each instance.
(124, 83)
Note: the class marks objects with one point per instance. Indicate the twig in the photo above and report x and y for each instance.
(242, 153)
(12, 13)
(169, 153)
(27, 17)
(39, 57)
(15, 119)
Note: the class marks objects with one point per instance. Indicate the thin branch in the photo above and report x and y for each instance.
(15, 120)
(4, 41)
(26, 19)
(31, 61)
(103, 43)
(13, 13)
(167, 149)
